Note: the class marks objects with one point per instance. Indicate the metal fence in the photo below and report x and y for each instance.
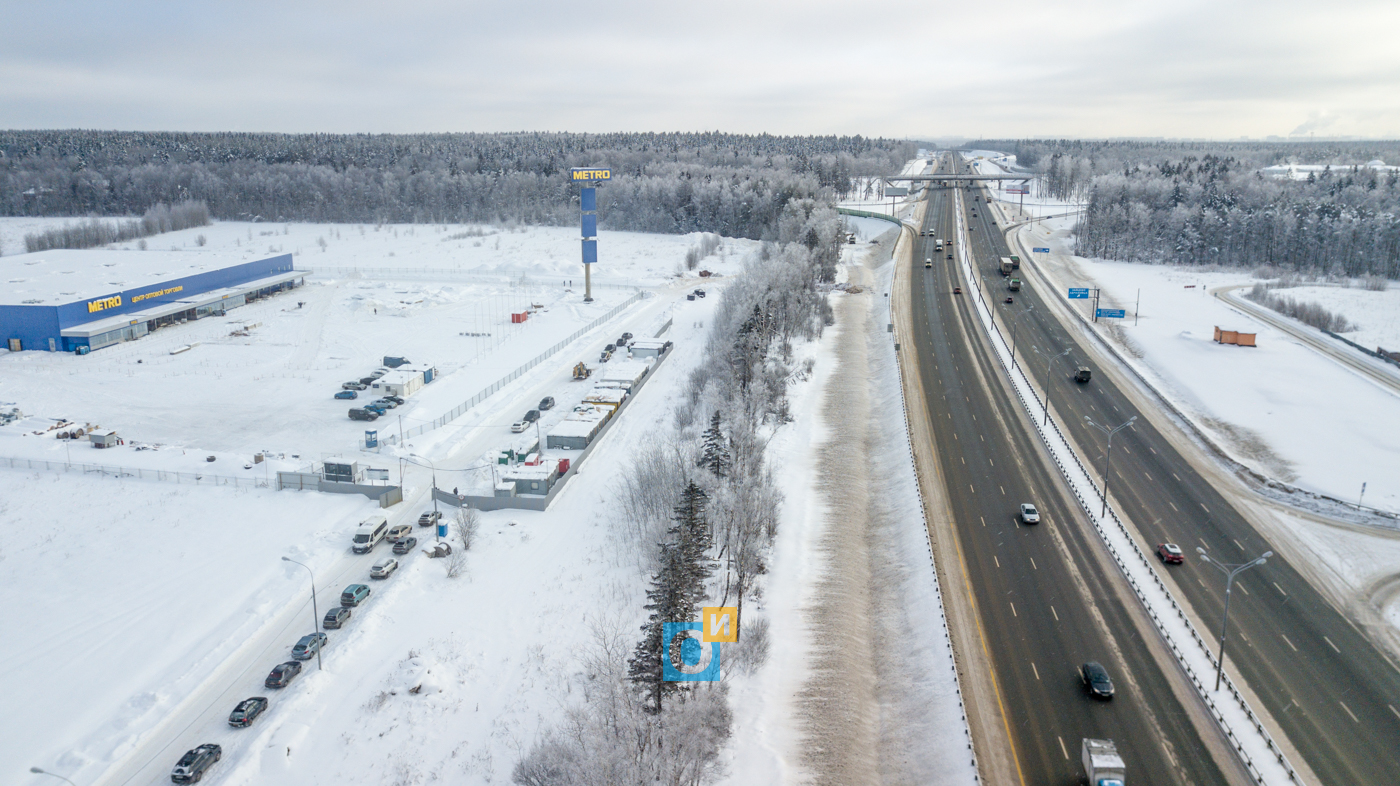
(457, 411)
(457, 274)
(136, 473)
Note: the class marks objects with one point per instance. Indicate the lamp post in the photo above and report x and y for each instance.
(38, 771)
(315, 612)
(1014, 323)
(1049, 369)
(1108, 454)
(1230, 571)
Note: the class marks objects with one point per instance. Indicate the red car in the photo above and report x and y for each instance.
(957, 290)
(1170, 553)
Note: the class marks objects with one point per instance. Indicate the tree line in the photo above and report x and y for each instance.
(1203, 203)
(731, 184)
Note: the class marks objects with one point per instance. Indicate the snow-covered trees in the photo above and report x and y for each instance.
(714, 453)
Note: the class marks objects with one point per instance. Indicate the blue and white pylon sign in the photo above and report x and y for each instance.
(588, 203)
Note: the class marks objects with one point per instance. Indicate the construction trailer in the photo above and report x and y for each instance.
(577, 431)
(606, 397)
(623, 374)
(1234, 337)
(648, 348)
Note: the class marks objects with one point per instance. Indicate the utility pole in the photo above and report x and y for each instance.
(315, 612)
(1230, 571)
(1049, 370)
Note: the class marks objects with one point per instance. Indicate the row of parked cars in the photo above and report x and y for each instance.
(193, 765)
(532, 415)
(350, 391)
(616, 346)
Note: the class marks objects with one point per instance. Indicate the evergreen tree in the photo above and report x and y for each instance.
(715, 454)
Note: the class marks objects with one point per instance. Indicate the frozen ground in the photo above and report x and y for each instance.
(1280, 408)
(1376, 315)
(411, 290)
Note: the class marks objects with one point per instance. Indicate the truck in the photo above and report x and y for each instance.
(1014, 285)
(1082, 374)
(1006, 266)
(1015, 261)
(938, 244)
(1102, 763)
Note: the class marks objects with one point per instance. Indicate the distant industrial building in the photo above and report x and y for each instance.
(79, 301)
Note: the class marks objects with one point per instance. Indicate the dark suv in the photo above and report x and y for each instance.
(247, 711)
(192, 765)
(363, 414)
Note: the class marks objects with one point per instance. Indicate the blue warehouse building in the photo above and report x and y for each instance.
(79, 301)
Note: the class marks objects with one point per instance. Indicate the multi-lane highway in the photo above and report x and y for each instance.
(1046, 596)
(1332, 692)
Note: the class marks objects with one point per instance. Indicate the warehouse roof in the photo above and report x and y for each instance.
(52, 278)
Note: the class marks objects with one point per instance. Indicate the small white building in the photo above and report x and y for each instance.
(606, 397)
(648, 348)
(105, 438)
(531, 480)
(577, 431)
(399, 383)
(623, 374)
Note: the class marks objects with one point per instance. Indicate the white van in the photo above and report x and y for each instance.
(371, 531)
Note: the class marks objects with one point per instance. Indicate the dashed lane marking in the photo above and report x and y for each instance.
(1333, 646)
(1349, 712)
(1033, 567)
(1052, 612)
(1289, 643)
(1240, 584)
(1277, 587)
(1034, 669)
(1013, 609)
(997, 561)
(1203, 506)
(1237, 543)
(1063, 749)
(1169, 502)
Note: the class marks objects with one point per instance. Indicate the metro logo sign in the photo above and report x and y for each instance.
(584, 175)
(105, 303)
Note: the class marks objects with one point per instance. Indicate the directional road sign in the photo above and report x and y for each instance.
(1111, 313)
(1041, 250)
(1078, 293)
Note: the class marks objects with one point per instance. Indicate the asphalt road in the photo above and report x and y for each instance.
(1046, 595)
(1334, 693)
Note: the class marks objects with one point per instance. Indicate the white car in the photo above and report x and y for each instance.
(384, 568)
(518, 426)
(1029, 514)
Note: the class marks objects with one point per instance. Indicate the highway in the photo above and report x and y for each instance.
(1330, 690)
(1047, 595)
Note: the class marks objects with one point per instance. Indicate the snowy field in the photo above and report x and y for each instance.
(1275, 407)
(411, 291)
(1376, 315)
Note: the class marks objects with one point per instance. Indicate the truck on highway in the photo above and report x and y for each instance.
(938, 244)
(1102, 763)
(1014, 285)
(1006, 266)
(1015, 261)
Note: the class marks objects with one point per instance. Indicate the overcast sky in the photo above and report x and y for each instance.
(906, 69)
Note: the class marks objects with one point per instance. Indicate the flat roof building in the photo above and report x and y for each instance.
(69, 300)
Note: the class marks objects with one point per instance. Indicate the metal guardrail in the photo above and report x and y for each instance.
(137, 473)
(846, 211)
(460, 409)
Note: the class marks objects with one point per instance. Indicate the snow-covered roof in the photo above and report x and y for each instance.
(67, 275)
(606, 395)
(576, 428)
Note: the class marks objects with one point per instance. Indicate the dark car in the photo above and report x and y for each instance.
(610, 348)
(1170, 553)
(957, 290)
(246, 712)
(354, 595)
(1009, 299)
(531, 416)
(405, 545)
(546, 403)
(307, 646)
(429, 519)
(335, 618)
(950, 255)
(622, 341)
(627, 336)
(353, 386)
(395, 399)
(347, 394)
(191, 767)
(699, 293)
(363, 413)
(282, 674)
(368, 380)
(605, 357)
(1096, 680)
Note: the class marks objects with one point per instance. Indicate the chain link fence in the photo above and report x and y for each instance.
(136, 473)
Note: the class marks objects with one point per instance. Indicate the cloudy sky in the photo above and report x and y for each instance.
(917, 69)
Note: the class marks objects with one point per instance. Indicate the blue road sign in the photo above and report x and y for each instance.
(1111, 313)
(1078, 293)
(1041, 250)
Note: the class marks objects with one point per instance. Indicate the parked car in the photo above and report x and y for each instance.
(699, 293)
(621, 341)
(531, 416)
(518, 426)
(367, 380)
(396, 399)
(307, 646)
(605, 357)
(191, 767)
(405, 545)
(398, 532)
(375, 407)
(347, 394)
(627, 336)
(360, 413)
(282, 674)
(1029, 514)
(246, 712)
(546, 403)
(354, 595)
(335, 618)
(610, 348)
(377, 373)
(386, 403)
(1170, 553)
(384, 568)
(352, 386)
(429, 519)
(1096, 680)
(690, 296)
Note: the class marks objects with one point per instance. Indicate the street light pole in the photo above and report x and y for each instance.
(435, 501)
(38, 771)
(315, 612)
(1108, 454)
(1049, 370)
(1230, 571)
